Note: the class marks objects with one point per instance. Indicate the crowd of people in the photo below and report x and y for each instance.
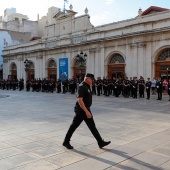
(127, 87)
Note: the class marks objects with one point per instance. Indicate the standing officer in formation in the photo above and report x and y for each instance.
(72, 85)
(116, 88)
(108, 86)
(159, 84)
(99, 86)
(58, 85)
(169, 89)
(141, 87)
(126, 85)
(135, 88)
(148, 88)
(83, 112)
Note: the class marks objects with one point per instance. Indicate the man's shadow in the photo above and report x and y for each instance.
(122, 154)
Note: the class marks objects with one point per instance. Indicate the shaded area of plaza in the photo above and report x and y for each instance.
(33, 125)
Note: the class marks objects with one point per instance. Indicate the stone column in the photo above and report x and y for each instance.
(38, 68)
(148, 61)
(140, 61)
(91, 63)
(44, 64)
(102, 63)
(133, 66)
(96, 64)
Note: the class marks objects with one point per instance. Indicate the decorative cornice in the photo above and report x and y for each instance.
(139, 45)
(39, 57)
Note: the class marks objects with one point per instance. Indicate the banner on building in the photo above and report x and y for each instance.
(63, 68)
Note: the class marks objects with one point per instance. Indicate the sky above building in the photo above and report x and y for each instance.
(100, 11)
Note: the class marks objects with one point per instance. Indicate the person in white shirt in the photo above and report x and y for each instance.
(153, 85)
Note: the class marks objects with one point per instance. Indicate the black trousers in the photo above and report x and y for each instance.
(159, 94)
(148, 93)
(135, 93)
(77, 120)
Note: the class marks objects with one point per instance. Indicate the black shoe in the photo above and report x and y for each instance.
(103, 144)
(67, 145)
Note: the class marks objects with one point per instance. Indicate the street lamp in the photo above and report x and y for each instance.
(81, 60)
(26, 63)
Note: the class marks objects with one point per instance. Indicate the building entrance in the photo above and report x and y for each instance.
(162, 68)
(116, 67)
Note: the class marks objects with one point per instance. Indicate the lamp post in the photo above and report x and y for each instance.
(26, 64)
(82, 60)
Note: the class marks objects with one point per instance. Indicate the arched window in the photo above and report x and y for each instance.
(79, 69)
(164, 55)
(163, 64)
(52, 70)
(13, 75)
(31, 65)
(77, 63)
(13, 66)
(52, 64)
(116, 66)
(116, 59)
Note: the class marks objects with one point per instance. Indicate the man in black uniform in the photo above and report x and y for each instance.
(159, 84)
(126, 88)
(98, 86)
(148, 88)
(82, 112)
(58, 84)
(141, 87)
(116, 88)
(135, 88)
(169, 89)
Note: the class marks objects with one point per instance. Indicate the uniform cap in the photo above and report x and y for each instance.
(90, 75)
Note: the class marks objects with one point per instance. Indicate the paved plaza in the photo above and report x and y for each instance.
(33, 125)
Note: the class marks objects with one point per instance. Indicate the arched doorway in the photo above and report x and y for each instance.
(163, 64)
(52, 70)
(79, 70)
(31, 71)
(13, 69)
(116, 66)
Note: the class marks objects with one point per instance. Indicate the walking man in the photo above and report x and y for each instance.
(82, 112)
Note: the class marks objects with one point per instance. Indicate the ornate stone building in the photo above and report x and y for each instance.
(136, 47)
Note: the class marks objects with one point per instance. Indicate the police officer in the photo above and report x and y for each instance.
(141, 87)
(126, 87)
(106, 86)
(159, 84)
(148, 88)
(58, 84)
(28, 85)
(135, 88)
(98, 86)
(169, 89)
(116, 88)
(83, 112)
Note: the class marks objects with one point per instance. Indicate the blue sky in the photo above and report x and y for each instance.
(100, 11)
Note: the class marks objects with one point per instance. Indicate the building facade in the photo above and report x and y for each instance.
(134, 47)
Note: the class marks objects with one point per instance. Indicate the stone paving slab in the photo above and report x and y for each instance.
(40, 165)
(33, 125)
